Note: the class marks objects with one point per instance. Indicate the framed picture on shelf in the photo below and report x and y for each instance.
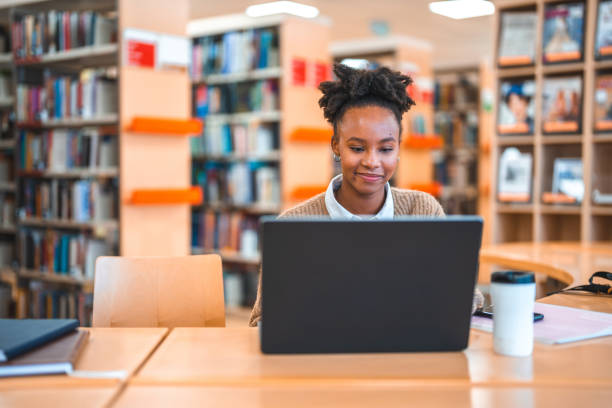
(603, 34)
(516, 107)
(563, 32)
(603, 102)
(567, 184)
(514, 179)
(517, 38)
(561, 104)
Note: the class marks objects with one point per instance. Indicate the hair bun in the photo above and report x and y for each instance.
(354, 85)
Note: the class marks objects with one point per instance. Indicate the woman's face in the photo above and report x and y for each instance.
(367, 143)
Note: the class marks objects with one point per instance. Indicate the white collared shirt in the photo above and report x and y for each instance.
(337, 211)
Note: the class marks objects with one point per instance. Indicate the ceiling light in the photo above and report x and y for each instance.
(459, 9)
(282, 7)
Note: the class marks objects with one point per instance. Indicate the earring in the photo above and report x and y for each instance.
(336, 157)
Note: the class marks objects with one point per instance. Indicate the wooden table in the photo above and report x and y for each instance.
(110, 357)
(571, 263)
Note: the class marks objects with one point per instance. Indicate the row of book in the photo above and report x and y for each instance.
(457, 130)
(239, 289)
(80, 200)
(236, 97)
(53, 31)
(563, 34)
(239, 183)
(236, 51)
(60, 253)
(89, 94)
(221, 230)
(39, 302)
(62, 149)
(460, 94)
(7, 210)
(221, 138)
(457, 169)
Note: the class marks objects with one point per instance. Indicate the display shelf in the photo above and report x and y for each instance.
(512, 72)
(234, 157)
(165, 126)
(602, 138)
(515, 140)
(246, 117)
(561, 139)
(191, 196)
(506, 208)
(249, 208)
(76, 173)
(565, 68)
(572, 209)
(8, 230)
(110, 119)
(55, 278)
(262, 73)
(77, 58)
(100, 227)
(514, 227)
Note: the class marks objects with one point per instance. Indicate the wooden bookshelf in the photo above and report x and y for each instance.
(99, 226)
(541, 221)
(82, 57)
(103, 120)
(73, 173)
(294, 39)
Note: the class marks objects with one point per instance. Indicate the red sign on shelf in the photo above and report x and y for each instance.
(321, 73)
(298, 70)
(141, 54)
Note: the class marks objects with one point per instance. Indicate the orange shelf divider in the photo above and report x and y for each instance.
(302, 193)
(435, 189)
(165, 126)
(423, 142)
(192, 195)
(317, 135)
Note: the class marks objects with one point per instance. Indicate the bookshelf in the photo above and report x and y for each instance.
(245, 160)
(546, 216)
(63, 142)
(419, 141)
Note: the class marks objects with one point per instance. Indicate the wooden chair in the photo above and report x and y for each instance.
(178, 291)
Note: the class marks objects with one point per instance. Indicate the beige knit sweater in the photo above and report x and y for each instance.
(405, 202)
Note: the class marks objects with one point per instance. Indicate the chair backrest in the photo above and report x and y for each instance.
(176, 291)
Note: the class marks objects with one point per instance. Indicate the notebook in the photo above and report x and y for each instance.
(20, 335)
(56, 357)
(561, 324)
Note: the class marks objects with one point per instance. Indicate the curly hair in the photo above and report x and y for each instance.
(358, 87)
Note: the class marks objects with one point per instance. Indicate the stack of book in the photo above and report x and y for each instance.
(237, 97)
(239, 184)
(221, 138)
(59, 253)
(63, 149)
(234, 52)
(89, 94)
(224, 231)
(53, 31)
(81, 200)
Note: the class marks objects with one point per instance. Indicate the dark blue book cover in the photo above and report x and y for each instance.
(20, 335)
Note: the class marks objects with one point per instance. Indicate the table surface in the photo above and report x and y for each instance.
(65, 397)
(217, 356)
(569, 262)
(109, 357)
(358, 396)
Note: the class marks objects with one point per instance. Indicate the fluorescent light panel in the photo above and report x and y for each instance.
(282, 7)
(460, 9)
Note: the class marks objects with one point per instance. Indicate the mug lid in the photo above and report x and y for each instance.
(512, 277)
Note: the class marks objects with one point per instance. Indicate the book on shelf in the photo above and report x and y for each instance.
(516, 106)
(241, 97)
(40, 301)
(567, 180)
(603, 35)
(517, 38)
(563, 32)
(37, 34)
(64, 149)
(603, 102)
(561, 104)
(7, 210)
(7, 253)
(53, 252)
(222, 230)
(7, 122)
(514, 181)
(601, 198)
(222, 138)
(5, 85)
(74, 200)
(89, 94)
(240, 184)
(235, 51)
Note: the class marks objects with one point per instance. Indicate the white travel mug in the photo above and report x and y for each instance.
(513, 296)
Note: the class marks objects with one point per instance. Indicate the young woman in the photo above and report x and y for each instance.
(365, 109)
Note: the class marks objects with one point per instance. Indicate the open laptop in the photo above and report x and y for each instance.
(346, 286)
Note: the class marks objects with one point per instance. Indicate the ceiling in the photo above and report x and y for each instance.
(456, 43)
